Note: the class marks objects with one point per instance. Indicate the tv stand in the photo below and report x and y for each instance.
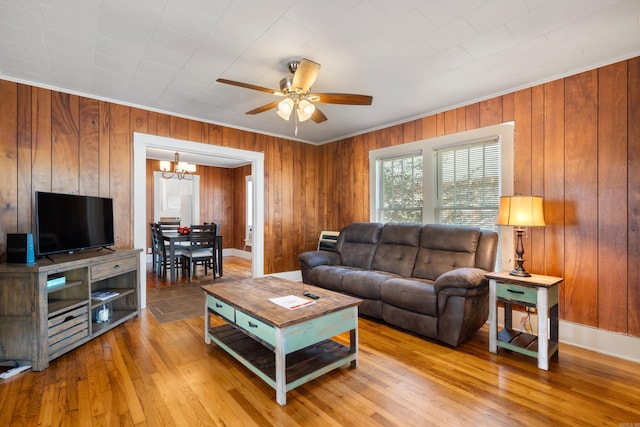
(106, 248)
(46, 309)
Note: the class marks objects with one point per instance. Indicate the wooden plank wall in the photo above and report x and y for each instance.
(577, 144)
(53, 141)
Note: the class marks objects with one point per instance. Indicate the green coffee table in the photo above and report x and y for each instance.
(285, 348)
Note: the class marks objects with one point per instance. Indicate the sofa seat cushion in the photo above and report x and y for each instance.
(365, 283)
(329, 276)
(415, 295)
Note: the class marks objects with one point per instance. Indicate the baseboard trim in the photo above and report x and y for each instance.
(295, 276)
(236, 252)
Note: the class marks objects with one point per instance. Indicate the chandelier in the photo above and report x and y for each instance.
(181, 170)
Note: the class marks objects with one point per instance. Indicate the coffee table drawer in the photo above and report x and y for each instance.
(255, 327)
(222, 308)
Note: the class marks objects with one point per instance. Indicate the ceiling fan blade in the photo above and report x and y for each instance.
(249, 86)
(341, 98)
(264, 108)
(305, 75)
(318, 116)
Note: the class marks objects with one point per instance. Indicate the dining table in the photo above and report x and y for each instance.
(175, 238)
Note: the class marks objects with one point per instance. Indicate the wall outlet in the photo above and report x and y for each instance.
(148, 250)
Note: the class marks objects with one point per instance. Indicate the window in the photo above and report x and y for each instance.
(174, 198)
(401, 186)
(463, 176)
(467, 184)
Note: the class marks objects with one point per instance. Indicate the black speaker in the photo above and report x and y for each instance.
(20, 249)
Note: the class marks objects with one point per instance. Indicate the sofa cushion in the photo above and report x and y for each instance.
(415, 322)
(365, 283)
(328, 276)
(397, 248)
(445, 247)
(357, 244)
(411, 294)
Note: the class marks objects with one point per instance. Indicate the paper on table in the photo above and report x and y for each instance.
(292, 302)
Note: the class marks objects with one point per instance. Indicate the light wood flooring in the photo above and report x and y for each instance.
(143, 373)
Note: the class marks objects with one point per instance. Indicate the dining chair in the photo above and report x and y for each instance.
(156, 250)
(165, 252)
(172, 224)
(202, 249)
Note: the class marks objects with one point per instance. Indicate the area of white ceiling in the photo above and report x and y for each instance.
(415, 57)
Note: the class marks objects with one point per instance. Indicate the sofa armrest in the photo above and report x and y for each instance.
(313, 259)
(462, 278)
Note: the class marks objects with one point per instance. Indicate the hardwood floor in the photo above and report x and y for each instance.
(148, 374)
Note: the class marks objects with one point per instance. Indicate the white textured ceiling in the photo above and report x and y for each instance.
(415, 57)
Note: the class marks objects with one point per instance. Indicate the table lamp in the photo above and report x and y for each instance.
(520, 212)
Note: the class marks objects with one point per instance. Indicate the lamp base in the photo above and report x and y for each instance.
(520, 272)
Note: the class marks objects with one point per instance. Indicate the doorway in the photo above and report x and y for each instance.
(143, 141)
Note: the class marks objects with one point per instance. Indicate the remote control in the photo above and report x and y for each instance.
(310, 295)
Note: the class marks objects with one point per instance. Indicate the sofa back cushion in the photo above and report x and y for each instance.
(357, 244)
(397, 248)
(445, 247)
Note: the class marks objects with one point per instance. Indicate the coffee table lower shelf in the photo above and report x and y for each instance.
(301, 366)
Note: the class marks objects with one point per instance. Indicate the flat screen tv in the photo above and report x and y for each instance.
(70, 222)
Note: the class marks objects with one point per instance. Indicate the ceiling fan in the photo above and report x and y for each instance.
(298, 99)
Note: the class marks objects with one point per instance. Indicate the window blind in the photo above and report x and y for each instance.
(467, 184)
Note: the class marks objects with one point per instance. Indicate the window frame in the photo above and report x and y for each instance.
(504, 132)
(380, 188)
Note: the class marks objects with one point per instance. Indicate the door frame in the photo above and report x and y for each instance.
(140, 143)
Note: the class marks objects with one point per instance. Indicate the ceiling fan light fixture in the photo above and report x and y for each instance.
(305, 110)
(285, 84)
(285, 107)
(297, 96)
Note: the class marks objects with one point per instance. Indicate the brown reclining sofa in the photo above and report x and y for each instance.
(428, 279)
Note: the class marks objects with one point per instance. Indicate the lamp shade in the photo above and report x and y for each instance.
(521, 211)
(165, 165)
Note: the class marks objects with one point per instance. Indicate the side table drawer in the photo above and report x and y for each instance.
(255, 327)
(516, 293)
(222, 308)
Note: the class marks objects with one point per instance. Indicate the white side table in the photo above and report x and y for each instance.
(536, 291)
